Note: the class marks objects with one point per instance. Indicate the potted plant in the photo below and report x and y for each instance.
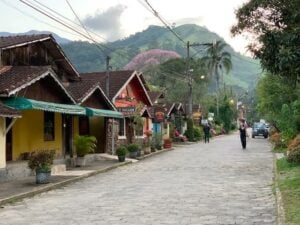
(146, 146)
(84, 145)
(41, 162)
(157, 141)
(121, 153)
(168, 143)
(133, 150)
(152, 145)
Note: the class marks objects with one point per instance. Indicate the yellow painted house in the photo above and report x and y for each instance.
(35, 79)
(101, 114)
(46, 122)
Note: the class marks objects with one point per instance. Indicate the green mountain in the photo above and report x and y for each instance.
(88, 57)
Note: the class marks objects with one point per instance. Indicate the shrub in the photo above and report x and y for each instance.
(233, 126)
(121, 151)
(272, 130)
(198, 133)
(171, 130)
(218, 129)
(85, 145)
(295, 143)
(156, 141)
(41, 160)
(189, 133)
(276, 140)
(294, 156)
(132, 148)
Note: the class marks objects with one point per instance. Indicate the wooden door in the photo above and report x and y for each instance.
(8, 141)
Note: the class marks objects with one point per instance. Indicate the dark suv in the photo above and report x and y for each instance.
(259, 129)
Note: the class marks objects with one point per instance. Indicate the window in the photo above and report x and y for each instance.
(139, 131)
(121, 127)
(48, 126)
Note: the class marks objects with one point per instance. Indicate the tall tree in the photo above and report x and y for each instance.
(275, 26)
(218, 60)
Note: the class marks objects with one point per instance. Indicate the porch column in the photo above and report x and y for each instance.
(2, 143)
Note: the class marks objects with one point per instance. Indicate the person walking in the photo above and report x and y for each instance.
(206, 130)
(243, 132)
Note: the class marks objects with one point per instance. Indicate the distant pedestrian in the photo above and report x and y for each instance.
(243, 132)
(206, 130)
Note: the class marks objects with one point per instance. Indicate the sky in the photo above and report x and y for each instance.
(117, 19)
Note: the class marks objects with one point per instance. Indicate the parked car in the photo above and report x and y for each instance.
(267, 126)
(259, 129)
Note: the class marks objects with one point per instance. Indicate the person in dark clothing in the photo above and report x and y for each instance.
(206, 130)
(243, 132)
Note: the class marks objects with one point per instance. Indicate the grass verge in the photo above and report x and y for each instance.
(289, 185)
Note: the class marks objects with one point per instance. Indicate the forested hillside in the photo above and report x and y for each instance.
(87, 57)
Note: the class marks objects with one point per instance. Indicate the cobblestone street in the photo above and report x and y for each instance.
(216, 183)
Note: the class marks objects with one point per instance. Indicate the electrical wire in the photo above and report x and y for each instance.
(71, 24)
(66, 18)
(164, 22)
(81, 25)
(99, 46)
(89, 37)
(37, 19)
(77, 17)
(156, 14)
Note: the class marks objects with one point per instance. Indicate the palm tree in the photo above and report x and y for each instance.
(218, 60)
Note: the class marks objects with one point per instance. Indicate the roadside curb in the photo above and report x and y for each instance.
(278, 197)
(53, 186)
(155, 153)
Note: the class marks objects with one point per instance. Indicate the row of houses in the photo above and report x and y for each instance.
(45, 102)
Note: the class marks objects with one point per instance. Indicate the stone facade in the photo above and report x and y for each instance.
(112, 141)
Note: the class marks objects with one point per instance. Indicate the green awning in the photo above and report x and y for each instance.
(103, 113)
(21, 103)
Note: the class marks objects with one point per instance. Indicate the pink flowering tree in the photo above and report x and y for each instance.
(149, 59)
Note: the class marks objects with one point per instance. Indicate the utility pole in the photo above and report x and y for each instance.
(190, 78)
(107, 76)
(190, 83)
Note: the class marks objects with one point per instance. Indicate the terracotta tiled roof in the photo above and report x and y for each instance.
(13, 77)
(80, 89)
(8, 112)
(195, 107)
(154, 95)
(117, 79)
(50, 44)
(169, 107)
(22, 39)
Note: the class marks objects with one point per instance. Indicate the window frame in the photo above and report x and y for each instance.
(49, 131)
(123, 121)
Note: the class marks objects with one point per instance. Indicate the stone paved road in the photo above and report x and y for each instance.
(216, 183)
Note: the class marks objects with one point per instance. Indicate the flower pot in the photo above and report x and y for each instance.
(133, 155)
(158, 147)
(147, 150)
(80, 161)
(42, 176)
(167, 144)
(121, 158)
